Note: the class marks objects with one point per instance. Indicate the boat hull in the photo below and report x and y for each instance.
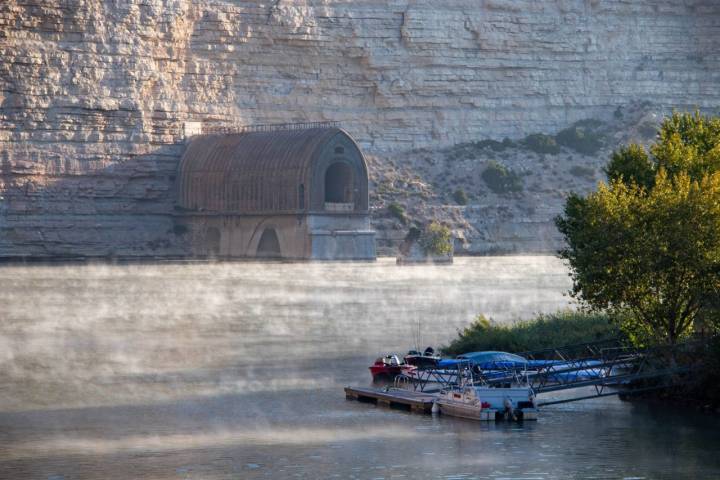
(384, 373)
(484, 403)
(498, 397)
(466, 411)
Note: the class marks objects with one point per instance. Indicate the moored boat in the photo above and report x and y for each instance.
(426, 359)
(463, 402)
(386, 368)
(487, 403)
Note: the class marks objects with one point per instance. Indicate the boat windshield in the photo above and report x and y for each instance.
(391, 360)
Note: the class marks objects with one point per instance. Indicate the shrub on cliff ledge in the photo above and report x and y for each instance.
(540, 143)
(437, 239)
(460, 196)
(501, 179)
(494, 144)
(584, 137)
(583, 171)
(397, 211)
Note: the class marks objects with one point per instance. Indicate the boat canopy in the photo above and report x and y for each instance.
(453, 363)
(491, 359)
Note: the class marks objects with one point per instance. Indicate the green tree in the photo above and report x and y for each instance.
(631, 164)
(646, 245)
(437, 239)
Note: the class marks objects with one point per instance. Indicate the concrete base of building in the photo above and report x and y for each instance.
(316, 236)
(343, 245)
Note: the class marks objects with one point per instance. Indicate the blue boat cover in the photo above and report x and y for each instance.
(490, 360)
(450, 364)
(493, 363)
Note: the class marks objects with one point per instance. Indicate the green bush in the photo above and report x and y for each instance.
(472, 150)
(502, 180)
(562, 328)
(583, 171)
(462, 151)
(540, 143)
(460, 197)
(493, 144)
(437, 239)
(397, 211)
(584, 137)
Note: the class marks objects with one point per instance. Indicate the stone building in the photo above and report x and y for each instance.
(299, 193)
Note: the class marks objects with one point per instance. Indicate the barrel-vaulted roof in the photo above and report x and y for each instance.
(255, 172)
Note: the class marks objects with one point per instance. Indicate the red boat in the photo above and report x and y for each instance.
(386, 368)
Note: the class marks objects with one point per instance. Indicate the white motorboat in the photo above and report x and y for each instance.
(463, 402)
(487, 403)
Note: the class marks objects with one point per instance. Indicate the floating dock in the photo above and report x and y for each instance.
(414, 401)
(421, 402)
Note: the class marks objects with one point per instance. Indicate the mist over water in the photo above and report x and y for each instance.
(118, 333)
(235, 370)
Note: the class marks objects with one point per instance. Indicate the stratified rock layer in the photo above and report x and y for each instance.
(94, 94)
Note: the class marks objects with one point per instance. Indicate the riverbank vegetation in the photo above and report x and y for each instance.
(644, 257)
(545, 331)
(700, 392)
(645, 247)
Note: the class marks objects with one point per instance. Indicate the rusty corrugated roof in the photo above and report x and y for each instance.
(250, 172)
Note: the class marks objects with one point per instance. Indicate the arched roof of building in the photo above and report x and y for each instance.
(264, 172)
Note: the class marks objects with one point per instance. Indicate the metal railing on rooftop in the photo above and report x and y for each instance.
(269, 127)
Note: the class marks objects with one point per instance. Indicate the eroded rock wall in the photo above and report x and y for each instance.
(94, 94)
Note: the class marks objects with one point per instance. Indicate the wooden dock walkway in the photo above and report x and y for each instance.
(393, 397)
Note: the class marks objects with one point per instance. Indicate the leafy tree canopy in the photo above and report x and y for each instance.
(647, 243)
(686, 143)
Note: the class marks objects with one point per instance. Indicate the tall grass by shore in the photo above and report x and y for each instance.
(544, 331)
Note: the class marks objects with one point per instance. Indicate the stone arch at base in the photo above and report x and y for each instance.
(268, 245)
(267, 241)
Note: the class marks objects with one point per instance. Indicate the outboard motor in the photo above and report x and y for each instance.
(509, 411)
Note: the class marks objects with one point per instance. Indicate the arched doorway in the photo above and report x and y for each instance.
(269, 245)
(339, 183)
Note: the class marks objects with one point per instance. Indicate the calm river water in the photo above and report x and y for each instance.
(235, 370)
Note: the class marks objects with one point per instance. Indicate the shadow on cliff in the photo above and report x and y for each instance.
(62, 208)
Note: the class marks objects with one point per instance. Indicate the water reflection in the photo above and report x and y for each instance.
(235, 371)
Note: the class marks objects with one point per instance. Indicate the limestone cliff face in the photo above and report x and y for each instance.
(94, 94)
